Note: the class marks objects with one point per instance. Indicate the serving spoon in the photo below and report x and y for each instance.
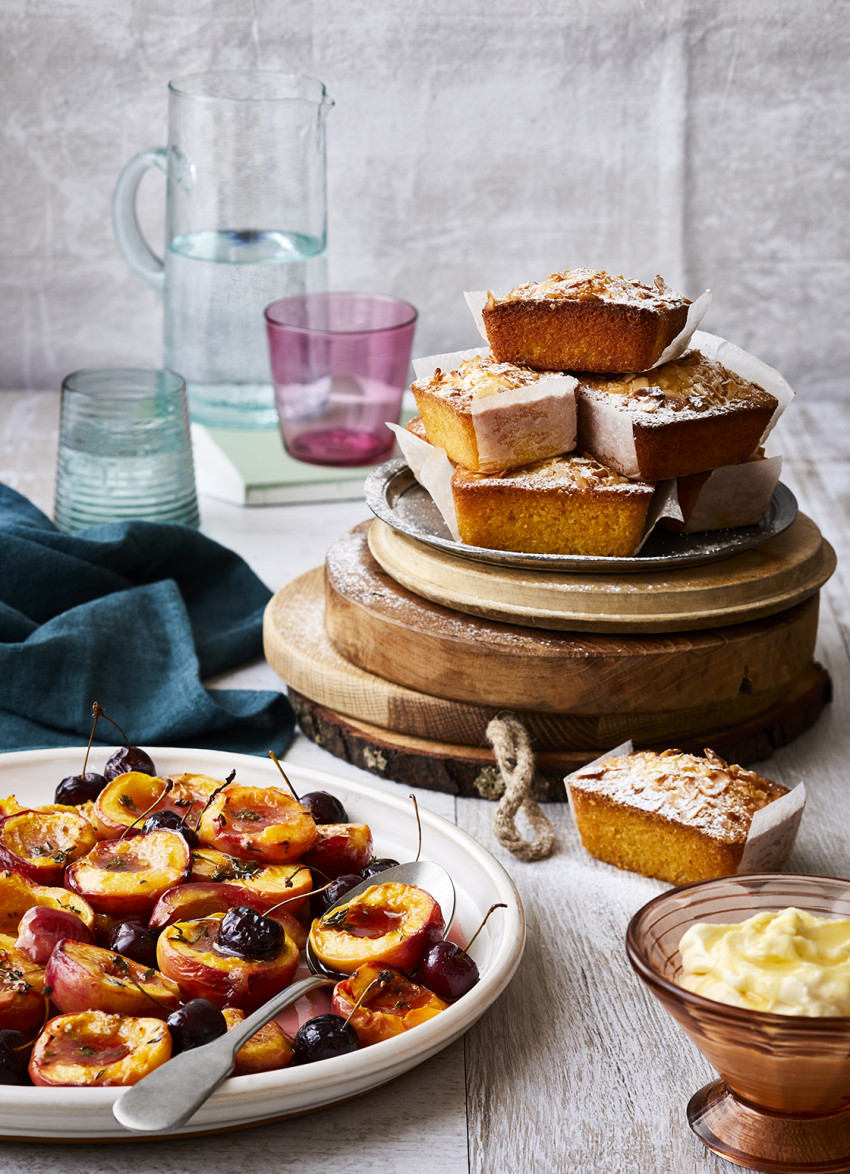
(166, 1098)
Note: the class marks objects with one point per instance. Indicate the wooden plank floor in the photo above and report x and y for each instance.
(575, 1069)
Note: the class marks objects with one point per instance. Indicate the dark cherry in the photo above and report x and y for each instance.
(377, 865)
(324, 807)
(79, 788)
(336, 890)
(249, 934)
(194, 1024)
(171, 821)
(134, 940)
(126, 759)
(14, 1057)
(447, 970)
(323, 1038)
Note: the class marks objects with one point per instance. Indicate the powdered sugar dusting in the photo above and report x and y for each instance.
(593, 285)
(477, 377)
(692, 387)
(567, 474)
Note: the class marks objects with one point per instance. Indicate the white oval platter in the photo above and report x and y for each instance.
(85, 1114)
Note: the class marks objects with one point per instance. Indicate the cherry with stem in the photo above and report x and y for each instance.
(331, 1035)
(322, 805)
(447, 969)
(128, 758)
(85, 786)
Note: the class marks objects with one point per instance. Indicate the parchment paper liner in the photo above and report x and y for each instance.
(734, 495)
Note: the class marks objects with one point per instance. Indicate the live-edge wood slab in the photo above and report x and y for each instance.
(471, 771)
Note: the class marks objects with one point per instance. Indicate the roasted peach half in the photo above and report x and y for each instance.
(340, 848)
(393, 1005)
(269, 883)
(41, 843)
(128, 796)
(257, 823)
(390, 923)
(201, 898)
(18, 894)
(96, 1049)
(21, 990)
(266, 1051)
(188, 953)
(126, 878)
(88, 978)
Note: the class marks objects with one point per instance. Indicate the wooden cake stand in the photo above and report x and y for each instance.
(397, 655)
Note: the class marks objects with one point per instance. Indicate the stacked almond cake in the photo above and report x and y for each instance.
(594, 393)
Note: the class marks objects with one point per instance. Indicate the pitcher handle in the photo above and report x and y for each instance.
(138, 254)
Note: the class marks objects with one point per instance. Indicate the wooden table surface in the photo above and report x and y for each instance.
(575, 1068)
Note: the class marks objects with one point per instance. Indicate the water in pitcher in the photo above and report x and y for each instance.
(217, 285)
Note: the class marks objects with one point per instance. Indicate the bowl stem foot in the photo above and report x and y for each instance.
(772, 1142)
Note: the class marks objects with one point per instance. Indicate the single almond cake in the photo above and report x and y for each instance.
(490, 416)
(564, 505)
(686, 416)
(669, 815)
(585, 320)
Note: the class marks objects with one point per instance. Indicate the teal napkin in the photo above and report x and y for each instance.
(132, 615)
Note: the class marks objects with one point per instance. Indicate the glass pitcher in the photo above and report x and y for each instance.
(246, 224)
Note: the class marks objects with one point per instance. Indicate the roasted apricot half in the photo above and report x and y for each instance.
(21, 990)
(41, 843)
(96, 1049)
(188, 953)
(128, 796)
(257, 823)
(393, 1005)
(88, 978)
(270, 883)
(266, 1051)
(390, 923)
(125, 878)
(18, 894)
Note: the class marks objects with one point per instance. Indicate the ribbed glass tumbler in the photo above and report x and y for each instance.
(124, 449)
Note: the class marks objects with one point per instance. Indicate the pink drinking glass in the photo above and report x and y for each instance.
(340, 366)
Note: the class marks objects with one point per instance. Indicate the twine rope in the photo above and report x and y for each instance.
(515, 759)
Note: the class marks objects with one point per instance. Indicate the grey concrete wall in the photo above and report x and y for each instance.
(473, 143)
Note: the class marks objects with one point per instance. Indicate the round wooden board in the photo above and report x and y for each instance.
(471, 771)
(298, 649)
(386, 630)
(771, 578)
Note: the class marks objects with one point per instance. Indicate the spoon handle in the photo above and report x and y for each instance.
(167, 1097)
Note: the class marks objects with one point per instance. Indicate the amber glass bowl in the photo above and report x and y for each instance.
(783, 1099)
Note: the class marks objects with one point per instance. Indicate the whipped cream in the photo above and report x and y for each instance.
(788, 962)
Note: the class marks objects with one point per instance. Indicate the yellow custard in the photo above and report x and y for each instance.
(788, 963)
